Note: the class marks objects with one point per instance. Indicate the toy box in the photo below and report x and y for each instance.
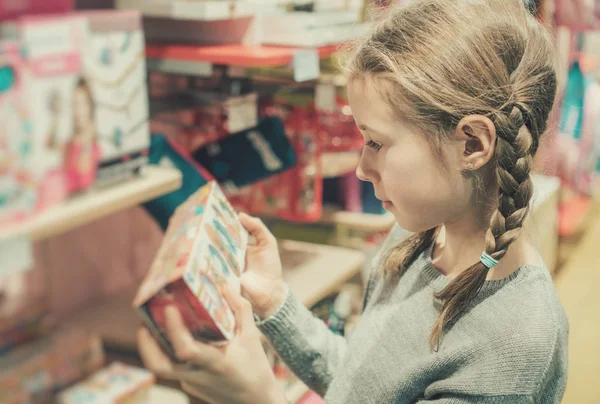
(206, 10)
(36, 371)
(65, 148)
(18, 193)
(204, 248)
(310, 29)
(114, 66)
(115, 384)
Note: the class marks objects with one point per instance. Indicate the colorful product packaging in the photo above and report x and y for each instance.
(34, 372)
(114, 69)
(115, 384)
(18, 188)
(64, 148)
(204, 248)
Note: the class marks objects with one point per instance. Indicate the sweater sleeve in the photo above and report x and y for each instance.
(305, 343)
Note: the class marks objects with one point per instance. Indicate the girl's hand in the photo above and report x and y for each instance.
(262, 282)
(236, 373)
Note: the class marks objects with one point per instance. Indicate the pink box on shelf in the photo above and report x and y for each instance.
(65, 149)
(10, 9)
(18, 188)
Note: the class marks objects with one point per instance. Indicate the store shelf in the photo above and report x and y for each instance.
(312, 271)
(315, 271)
(152, 182)
(366, 222)
(231, 55)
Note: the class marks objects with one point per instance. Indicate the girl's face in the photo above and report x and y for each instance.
(421, 189)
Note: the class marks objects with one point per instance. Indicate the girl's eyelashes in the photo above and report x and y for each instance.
(374, 145)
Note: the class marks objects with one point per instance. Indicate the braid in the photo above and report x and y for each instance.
(515, 188)
(514, 151)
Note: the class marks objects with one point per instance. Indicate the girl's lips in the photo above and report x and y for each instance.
(387, 205)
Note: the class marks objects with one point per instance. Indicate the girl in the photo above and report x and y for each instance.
(452, 98)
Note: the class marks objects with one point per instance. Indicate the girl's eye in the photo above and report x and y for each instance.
(374, 145)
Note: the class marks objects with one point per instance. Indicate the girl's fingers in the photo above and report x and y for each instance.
(257, 228)
(152, 355)
(185, 346)
(242, 309)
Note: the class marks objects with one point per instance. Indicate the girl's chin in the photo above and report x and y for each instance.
(387, 205)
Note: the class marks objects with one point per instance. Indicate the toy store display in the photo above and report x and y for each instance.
(64, 148)
(114, 79)
(116, 384)
(18, 185)
(34, 372)
(203, 249)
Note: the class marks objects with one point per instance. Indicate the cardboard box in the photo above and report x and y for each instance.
(65, 148)
(206, 10)
(18, 188)
(114, 66)
(204, 248)
(115, 384)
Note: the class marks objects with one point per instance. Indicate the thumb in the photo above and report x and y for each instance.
(242, 309)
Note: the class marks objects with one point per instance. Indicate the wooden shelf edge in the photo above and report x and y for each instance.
(80, 210)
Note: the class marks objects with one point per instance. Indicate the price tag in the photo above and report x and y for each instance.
(306, 65)
(16, 255)
(325, 97)
(242, 113)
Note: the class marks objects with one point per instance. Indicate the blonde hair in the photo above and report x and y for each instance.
(442, 60)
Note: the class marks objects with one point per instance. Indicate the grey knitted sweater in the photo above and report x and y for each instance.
(510, 347)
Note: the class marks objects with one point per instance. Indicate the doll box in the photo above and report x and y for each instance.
(207, 10)
(51, 48)
(115, 384)
(18, 193)
(204, 248)
(114, 67)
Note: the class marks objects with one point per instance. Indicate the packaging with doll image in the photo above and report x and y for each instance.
(65, 148)
(204, 248)
(18, 188)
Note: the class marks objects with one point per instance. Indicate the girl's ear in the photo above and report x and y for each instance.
(477, 136)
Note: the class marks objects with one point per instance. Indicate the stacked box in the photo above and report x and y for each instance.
(115, 384)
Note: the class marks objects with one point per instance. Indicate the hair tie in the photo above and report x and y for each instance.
(487, 260)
